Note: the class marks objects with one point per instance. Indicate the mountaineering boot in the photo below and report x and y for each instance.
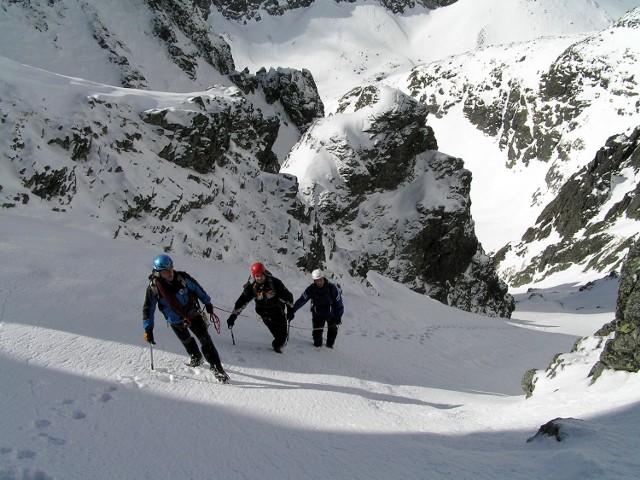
(276, 346)
(219, 373)
(195, 361)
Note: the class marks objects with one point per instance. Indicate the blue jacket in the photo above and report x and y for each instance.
(181, 287)
(326, 301)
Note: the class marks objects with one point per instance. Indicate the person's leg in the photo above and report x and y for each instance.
(189, 344)
(277, 325)
(332, 333)
(199, 329)
(318, 328)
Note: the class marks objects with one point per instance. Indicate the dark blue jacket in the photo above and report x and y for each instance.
(326, 301)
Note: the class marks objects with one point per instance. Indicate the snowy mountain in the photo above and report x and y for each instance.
(506, 93)
(112, 154)
(552, 105)
(129, 128)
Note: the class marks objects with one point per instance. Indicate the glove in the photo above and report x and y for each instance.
(290, 314)
(337, 321)
(209, 308)
(148, 336)
(231, 320)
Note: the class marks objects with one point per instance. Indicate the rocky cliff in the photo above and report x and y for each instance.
(622, 352)
(547, 121)
(390, 202)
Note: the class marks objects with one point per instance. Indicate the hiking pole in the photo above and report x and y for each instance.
(151, 352)
(288, 328)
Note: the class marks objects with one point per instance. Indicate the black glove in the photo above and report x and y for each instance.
(208, 307)
(231, 320)
(148, 335)
(290, 314)
(337, 320)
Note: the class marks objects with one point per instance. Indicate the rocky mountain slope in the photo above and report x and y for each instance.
(182, 170)
(552, 106)
(241, 11)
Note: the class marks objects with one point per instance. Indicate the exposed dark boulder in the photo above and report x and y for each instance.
(561, 429)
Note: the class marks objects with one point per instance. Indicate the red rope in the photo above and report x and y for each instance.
(216, 321)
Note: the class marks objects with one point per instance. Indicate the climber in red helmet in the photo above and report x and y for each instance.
(271, 299)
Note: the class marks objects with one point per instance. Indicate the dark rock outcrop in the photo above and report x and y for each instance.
(243, 11)
(295, 90)
(561, 429)
(622, 352)
(576, 215)
(201, 138)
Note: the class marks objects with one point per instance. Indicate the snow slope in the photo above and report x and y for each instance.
(413, 389)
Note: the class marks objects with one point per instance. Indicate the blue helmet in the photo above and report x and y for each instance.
(162, 262)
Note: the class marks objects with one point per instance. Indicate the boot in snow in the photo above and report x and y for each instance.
(195, 361)
(219, 373)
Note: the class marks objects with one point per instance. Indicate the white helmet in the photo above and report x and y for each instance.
(317, 274)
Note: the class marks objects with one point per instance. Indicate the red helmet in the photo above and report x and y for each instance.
(257, 269)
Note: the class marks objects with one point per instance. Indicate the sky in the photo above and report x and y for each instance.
(413, 389)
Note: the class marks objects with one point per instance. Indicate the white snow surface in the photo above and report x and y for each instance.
(413, 389)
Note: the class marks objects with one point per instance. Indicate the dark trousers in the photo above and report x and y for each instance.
(199, 328)
(277, 325)
(318, 328)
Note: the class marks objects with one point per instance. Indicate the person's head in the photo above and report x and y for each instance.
(164, 266)
(257, 272)
(318, 277)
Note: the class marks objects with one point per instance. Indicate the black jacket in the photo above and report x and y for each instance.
(271, 297)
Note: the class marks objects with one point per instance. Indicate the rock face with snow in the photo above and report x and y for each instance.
(176, 28)
(243, 11)
(201, 137)
(197, 172)
(182, 172)
(587, 206)
(540, 120)
(561, 429)
(294, 89)
(616, 346)
(389, 202)
(622, 352)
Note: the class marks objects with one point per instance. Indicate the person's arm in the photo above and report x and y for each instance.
(304, 298)
(283, 293)
(338, 306)
(149, 308)
(148, 311)
(241, 302)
